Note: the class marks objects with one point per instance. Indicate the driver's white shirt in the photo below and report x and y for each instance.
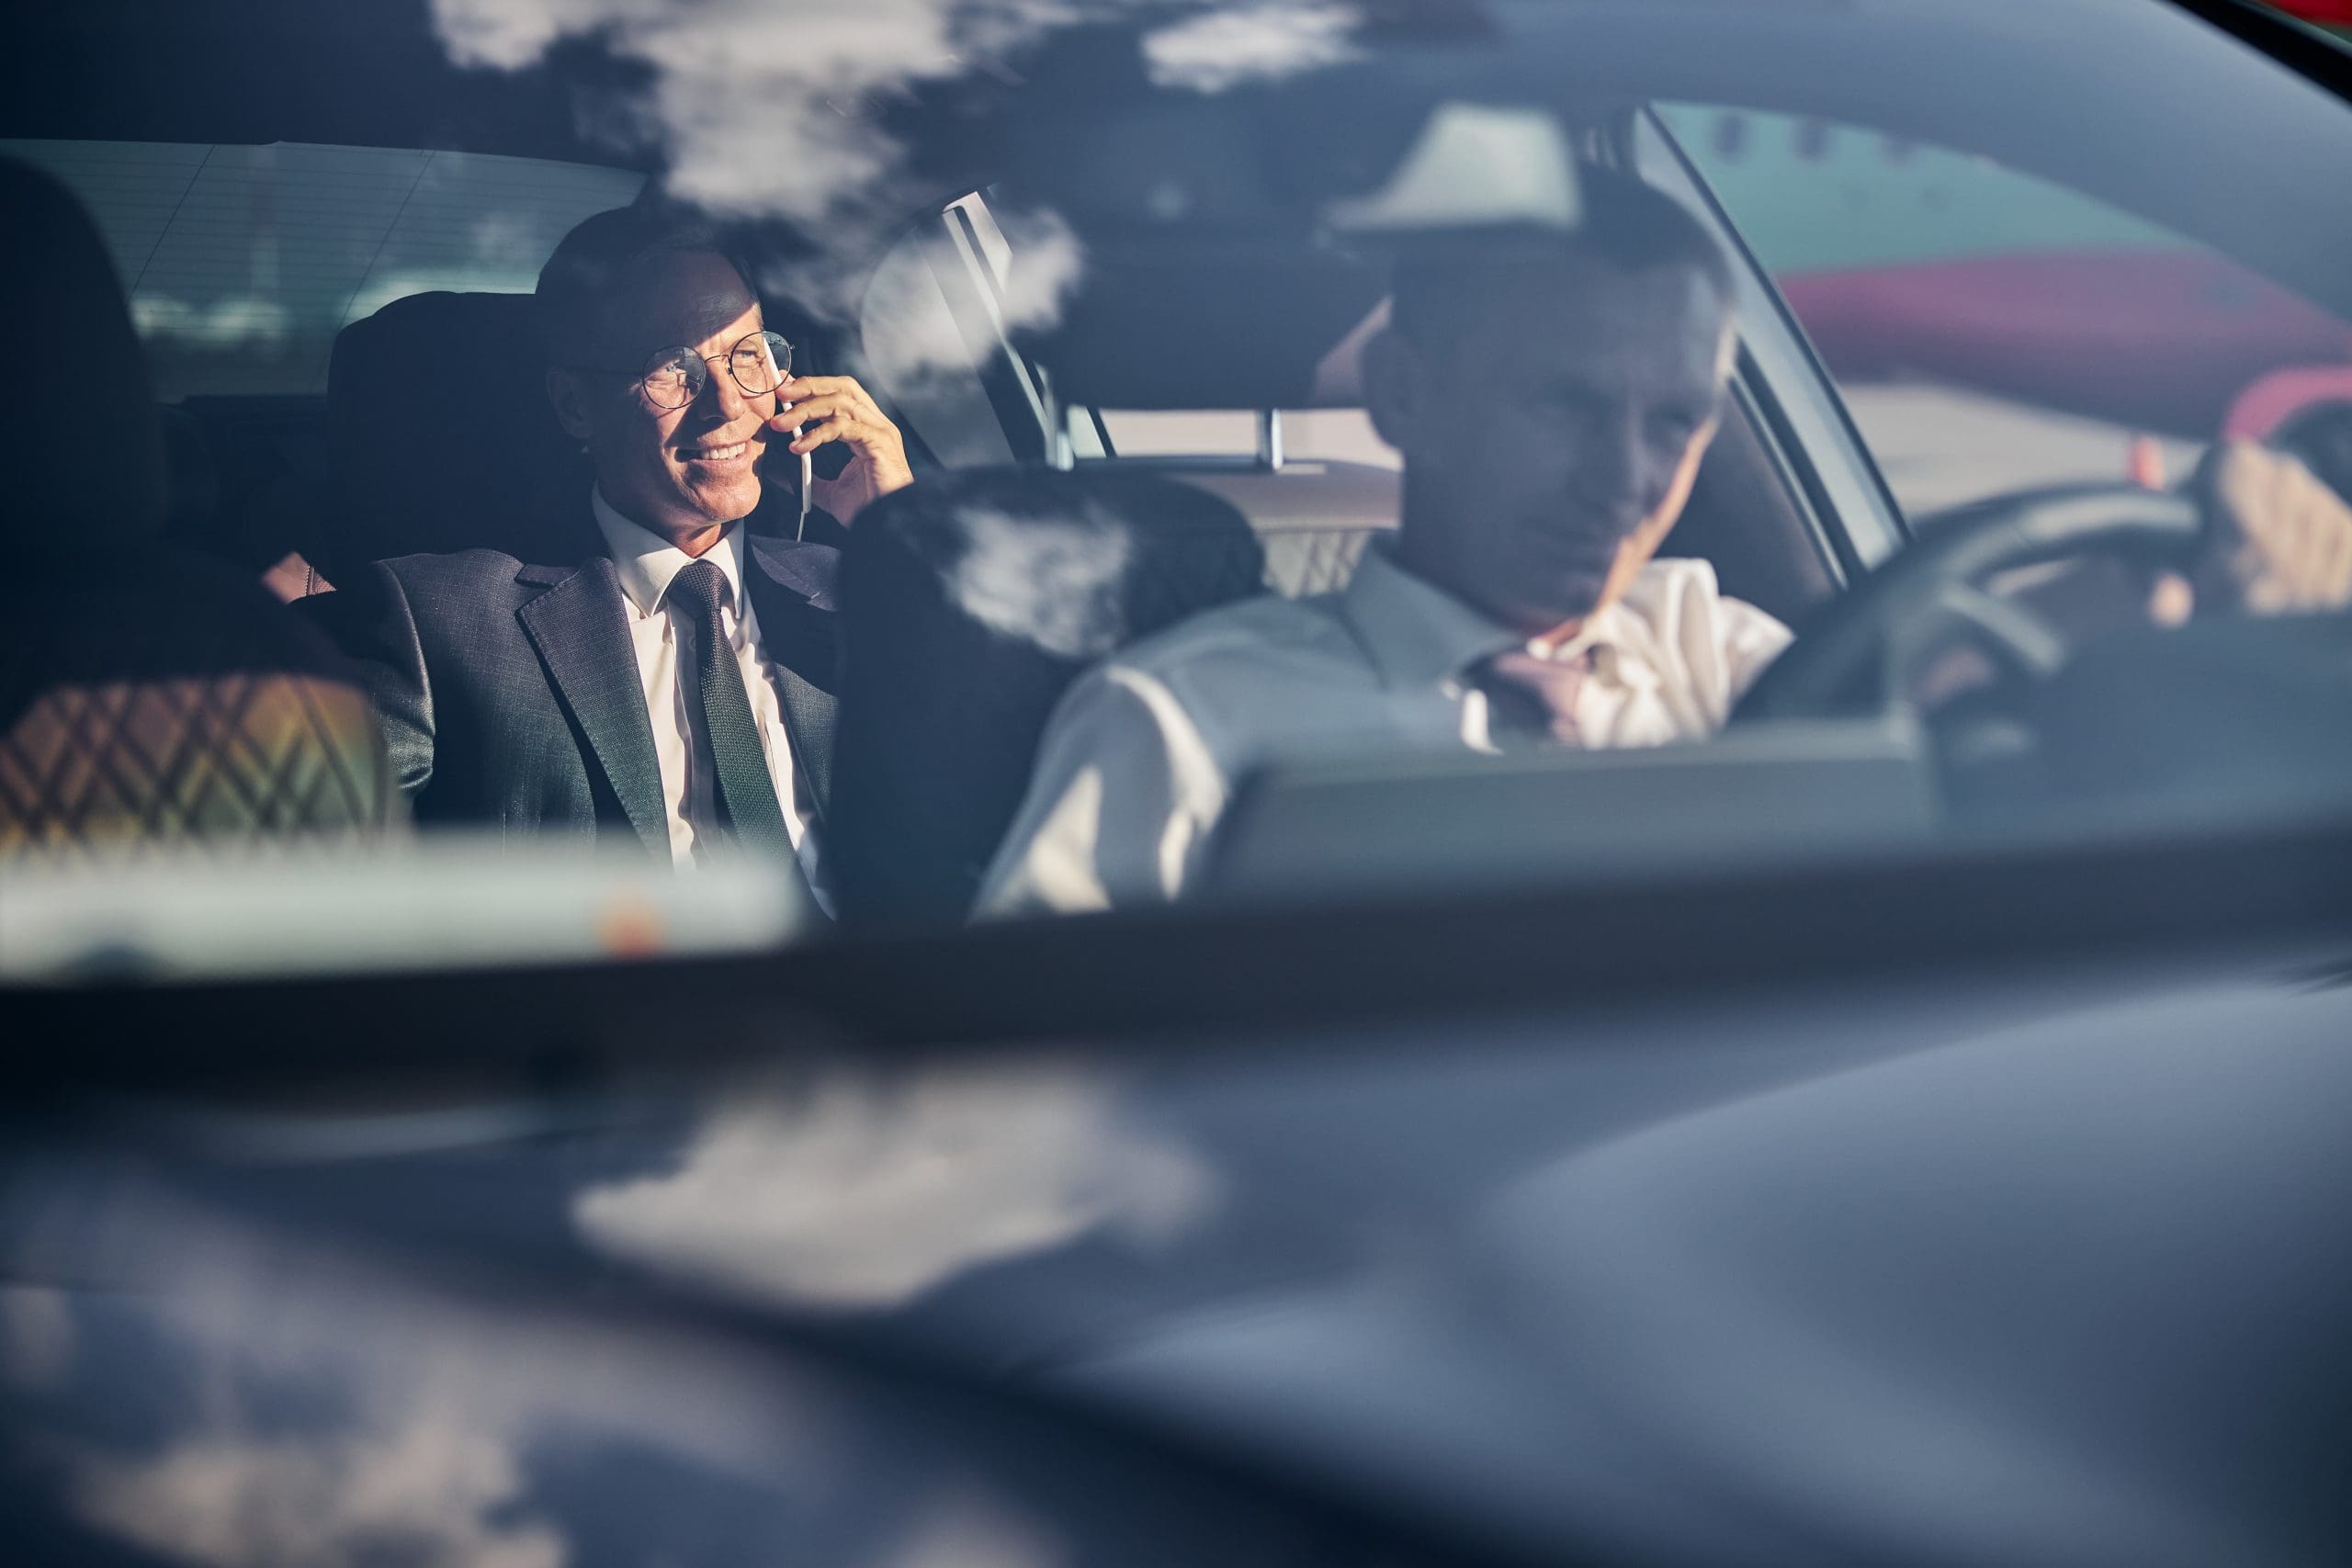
(1143, 753)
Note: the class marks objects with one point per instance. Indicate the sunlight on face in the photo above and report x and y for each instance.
(679, 471)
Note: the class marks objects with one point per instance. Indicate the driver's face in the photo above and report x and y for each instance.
(1550, 446)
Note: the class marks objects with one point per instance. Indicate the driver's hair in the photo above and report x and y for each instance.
(1438, 281)
(605, 256)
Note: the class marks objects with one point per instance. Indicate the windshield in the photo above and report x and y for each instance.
(1007, 784)
(831, 479)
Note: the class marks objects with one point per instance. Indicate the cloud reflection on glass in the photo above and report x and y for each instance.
(853, 1192)
(318, 1412)
(766, 110)
(1226, 47)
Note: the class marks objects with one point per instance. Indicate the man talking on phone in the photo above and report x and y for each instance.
(674, 688)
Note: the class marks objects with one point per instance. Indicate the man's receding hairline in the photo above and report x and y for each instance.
(1568, 252)
(609, 253)
(1629, 228)
(633, 281)
(1414, 320)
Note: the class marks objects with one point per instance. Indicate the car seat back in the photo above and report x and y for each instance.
(146, 699)
(969, 603)
(441, 438)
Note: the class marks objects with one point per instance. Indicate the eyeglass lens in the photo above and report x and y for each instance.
(674, 376)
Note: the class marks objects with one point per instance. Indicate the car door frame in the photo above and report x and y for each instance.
(1827, 467)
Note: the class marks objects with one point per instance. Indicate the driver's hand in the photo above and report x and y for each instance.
(2282, 540)
(835, 408)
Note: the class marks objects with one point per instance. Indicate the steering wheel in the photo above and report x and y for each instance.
(1856, 657)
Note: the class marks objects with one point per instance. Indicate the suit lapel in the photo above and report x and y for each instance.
(583, 641)
(791, 589)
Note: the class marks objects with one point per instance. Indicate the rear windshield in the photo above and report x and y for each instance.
(243, 263)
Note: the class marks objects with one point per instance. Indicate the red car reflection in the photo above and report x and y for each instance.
(2055, 329)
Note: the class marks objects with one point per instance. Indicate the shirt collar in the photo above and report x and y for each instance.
(1416, 633)
(647, 563)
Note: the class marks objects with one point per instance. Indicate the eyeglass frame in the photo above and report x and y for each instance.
(687, 351)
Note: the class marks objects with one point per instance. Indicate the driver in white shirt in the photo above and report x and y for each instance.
(1551, 398)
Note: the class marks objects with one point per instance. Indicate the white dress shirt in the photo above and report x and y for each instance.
(647, 564)
(1142, 754)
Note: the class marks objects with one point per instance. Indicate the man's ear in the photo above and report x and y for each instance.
(1394, 386)
(570, 404)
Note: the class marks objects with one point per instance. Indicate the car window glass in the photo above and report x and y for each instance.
(916, 347)
(1343, 435)
(243, 263)
(1086, 295)
(1989, 330)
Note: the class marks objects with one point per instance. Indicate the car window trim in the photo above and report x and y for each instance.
(2064, 895)
(959, 266)
(1837, 481)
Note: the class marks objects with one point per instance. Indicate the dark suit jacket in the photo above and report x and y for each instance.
(509, 693)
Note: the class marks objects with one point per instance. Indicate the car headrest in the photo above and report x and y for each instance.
(62, 308)
(970, 601)
(1202, 277)
(193, 478)
(442, 438)
(1158, 323)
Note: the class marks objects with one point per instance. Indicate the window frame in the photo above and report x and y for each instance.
(1811, 433)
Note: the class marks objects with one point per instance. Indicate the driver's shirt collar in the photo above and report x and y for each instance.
(647, 564)
(1418, 635)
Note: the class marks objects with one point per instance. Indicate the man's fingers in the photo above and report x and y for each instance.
(827, 409)
(804, 388)
(815, 434)
(2284, 539)
(816, 405)
(859, 444)
(826, 405)
(844, 425)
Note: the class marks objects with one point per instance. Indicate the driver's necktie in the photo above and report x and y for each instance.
(746, 790)
(1532, 700)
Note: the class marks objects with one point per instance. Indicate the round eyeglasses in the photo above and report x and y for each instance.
(674, 377)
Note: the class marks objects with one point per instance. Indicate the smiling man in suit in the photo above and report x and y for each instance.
(675, 688)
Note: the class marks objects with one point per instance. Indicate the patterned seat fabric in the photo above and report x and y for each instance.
(173, 702)
(1304, 561)
(148, 699)
(110, 771)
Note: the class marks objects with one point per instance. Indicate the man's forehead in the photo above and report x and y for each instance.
(1586, 292)
(1671, 317)
(691, 298)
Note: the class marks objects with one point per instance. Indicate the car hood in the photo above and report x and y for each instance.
(1982, 1268)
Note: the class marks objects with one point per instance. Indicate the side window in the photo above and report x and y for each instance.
(1988, 331)
(933, 324)
(243, 263)
(932, 327)
(1339, 434)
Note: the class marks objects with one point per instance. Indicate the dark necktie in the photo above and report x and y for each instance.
(1531, 699)
(746, 789)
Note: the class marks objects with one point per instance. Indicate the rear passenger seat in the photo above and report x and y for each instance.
(440, 438)
(148, 697)
(1314, 519)
(239, 494)
(418, 470)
